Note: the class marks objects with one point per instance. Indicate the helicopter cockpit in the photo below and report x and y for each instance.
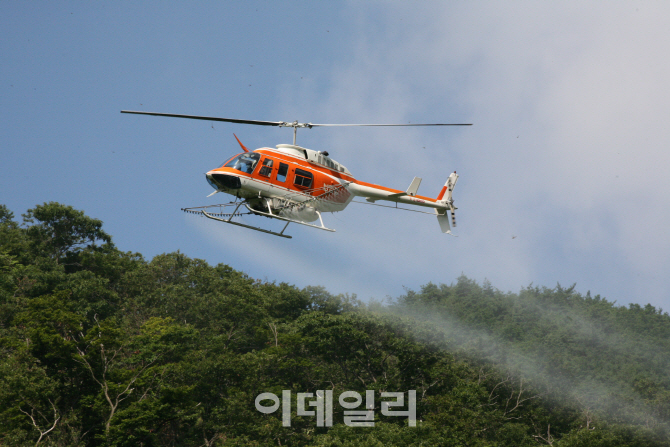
(244, 162)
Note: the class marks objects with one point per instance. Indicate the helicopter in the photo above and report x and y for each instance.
(294, 184)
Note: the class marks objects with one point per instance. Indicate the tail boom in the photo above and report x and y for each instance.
(443, 203)
(373, 192)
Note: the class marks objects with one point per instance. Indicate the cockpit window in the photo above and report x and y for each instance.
(225, 162)
(244, 162)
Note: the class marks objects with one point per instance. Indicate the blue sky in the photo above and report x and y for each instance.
(564, 174)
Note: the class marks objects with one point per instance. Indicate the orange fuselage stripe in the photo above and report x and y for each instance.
(322, 175)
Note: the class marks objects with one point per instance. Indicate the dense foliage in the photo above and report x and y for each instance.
(102, 347)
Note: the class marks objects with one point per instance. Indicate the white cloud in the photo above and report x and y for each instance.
(563, 175)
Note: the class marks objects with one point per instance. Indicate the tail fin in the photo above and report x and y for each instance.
(448, 188)
(446, 196)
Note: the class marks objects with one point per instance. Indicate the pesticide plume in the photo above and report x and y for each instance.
(565, 353)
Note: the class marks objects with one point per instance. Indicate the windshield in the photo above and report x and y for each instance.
(244, 162)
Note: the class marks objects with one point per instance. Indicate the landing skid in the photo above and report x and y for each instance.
(281, 234)
(202, 211)
(228, 217)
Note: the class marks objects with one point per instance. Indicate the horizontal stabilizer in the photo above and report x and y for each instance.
(414, 186)
(411, 191)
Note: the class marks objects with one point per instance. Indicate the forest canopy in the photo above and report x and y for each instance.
(103, 347)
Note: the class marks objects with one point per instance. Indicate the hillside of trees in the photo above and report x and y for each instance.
(100, 347)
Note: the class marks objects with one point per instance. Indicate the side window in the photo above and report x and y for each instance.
(266, 169)
(303, 178)
(281, 174)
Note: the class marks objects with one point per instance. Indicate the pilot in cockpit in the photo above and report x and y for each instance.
(244, 162)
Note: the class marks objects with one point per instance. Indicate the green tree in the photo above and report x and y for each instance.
(62, 233)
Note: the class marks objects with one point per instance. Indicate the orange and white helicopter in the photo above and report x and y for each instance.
(295, 184)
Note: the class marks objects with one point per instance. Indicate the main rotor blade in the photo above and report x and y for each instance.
(437, 124)
(294, 124)
(209, 118)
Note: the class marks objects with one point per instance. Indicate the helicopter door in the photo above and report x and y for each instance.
(266, 168)
(282, 172)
